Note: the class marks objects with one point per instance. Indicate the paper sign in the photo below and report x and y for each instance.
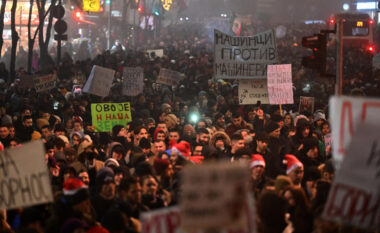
(133, 81)
(328, 140)
(213, 195)
(306, 104)
(26, 81)
(107, 115)
(44, 83)
(24, 177)
(354, 197)
(253, 90)
(346, 113)
(100, 81)
(91, 5)
(243, 57)
(280, 88)
(158, 52)
(169, 77)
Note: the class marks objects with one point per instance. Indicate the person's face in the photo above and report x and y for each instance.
(275, 133)
(281, 124)
(257, 172)
(204, 138)
(118, 177)
(77, 126)
(13, 144)
(296, 175)
(76, 140)
(201, 124)
(311, 187)
(46, 115)
(289, 197)
(4, 132)
(69, 124)
(325, 129)
(28, 122)
(169, 172)
(244, 134)
(58, 133)
(288, 120)
(46, 133)
(149, 187)
(221, 121)
(239, 144)
(197, 151)
(50, 152)
(251, 115)
(162, 116)
(27, 112)
(159, 147)
(313, 153)
(142, 134)
(162, 127)
(117, 156)
(219, 144)
(84, 177)
(236, 121)
(262, 145)
(12, 132)
(108, 190)
(306, 132)
(174, 136)
(151, 125)
(70, 158)
(134, 193)
(160, 137)
(122, 133)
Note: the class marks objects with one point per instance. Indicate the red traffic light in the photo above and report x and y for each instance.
(370, 22)
(139, 9)
(77, 15)
(371, 48)
(332, 21)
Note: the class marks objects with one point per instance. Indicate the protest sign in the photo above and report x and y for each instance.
(328, 140)
(24, 177)
(243, 57)
(26, 81)
(280, 87)
(100, 81)
(107, 115)
(158, 52)
(213, 195)
(306, 104)
(44, 83)
(346, 113)
(133, 81)
(354, 197)
(169, 77)
(253, 90)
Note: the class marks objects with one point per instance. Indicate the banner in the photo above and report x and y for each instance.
(91, 5)
(253, 90)
(44, 83)
(306, 104)
(280, 86)
(158, 52)
(213, 195)
(24, 177)
(133, 81)
(169, 77)
(354, 197)
(107, 115)
(243, 57)
(346, 113)
(100, 81)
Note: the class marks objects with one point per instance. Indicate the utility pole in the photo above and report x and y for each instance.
(339, 58)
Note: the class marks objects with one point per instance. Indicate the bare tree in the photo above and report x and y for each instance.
(15, 38)
(2, 13)
(30, 39)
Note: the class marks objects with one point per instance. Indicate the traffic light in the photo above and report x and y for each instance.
(107, 2)
(78, 15)
(317, 44)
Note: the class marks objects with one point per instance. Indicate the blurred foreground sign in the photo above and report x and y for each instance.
(346, 114)
(253, 90)
(133, 81)
(100, 81)
(243, 57)
(280, 86)
(24, 176)
(213, 195)
(354, 197)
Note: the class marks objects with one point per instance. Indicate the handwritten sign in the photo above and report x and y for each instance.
(24, 177)
(44, 83)
(100, 81)
(354, 197)
(306, 104)
(243, 57)
(280, 89)
(169, 77)
(107, 115)
(133, 81)
(213, 195)
(346, 113)
(253, 90)
(91, 5)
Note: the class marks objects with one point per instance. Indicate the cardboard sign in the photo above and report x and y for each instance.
(243, 57)
(91, 5)
(213, 195)
(253, 90)
(107, 115)
(306, 104)
(354, 197)
(133, 81)
(24, 177)
(169, 77)
(26, 81)
(280, 87)
(346, 113)
(158, 52)
(44, 83)
(100, 81)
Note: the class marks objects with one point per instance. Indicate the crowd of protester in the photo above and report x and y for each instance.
(103, 182)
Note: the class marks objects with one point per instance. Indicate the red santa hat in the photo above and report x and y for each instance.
(292, 163)
(182, 148)
(75, 191)
(257, 160)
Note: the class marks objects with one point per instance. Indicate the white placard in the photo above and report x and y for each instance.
(100, 81)
(169, 77)
(346, 113)
(354, 197)
(44, 83)
(158, 52)
(243, 57)
(213, 195)
(280, 87)
(133, 81)
(253, 90)
(24, 177)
